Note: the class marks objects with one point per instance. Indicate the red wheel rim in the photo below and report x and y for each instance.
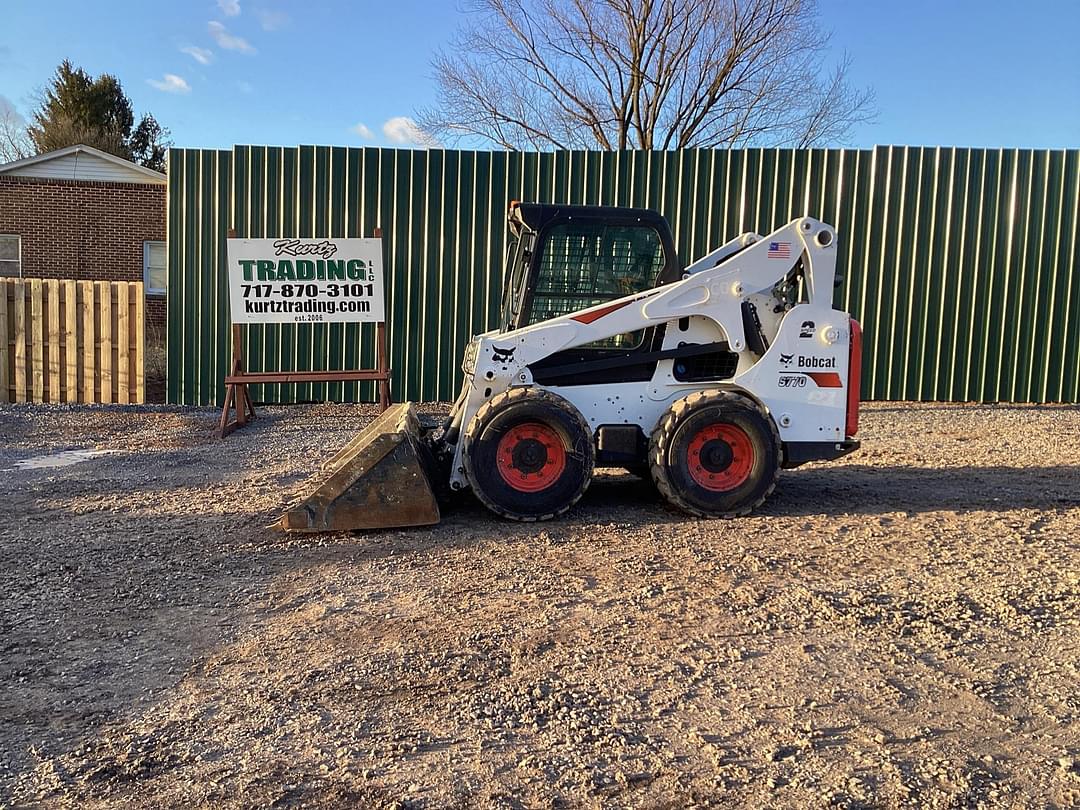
(530, 457)
(720, 457)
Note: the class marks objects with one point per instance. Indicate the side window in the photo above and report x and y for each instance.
(154, 278)
(584, 264)
(508, 281)
(10, 256)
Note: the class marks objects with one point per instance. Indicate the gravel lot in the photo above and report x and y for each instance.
(901, 628)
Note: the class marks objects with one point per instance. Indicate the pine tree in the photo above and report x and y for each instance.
(77, 108)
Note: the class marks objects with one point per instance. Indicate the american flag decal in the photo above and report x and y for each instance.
(779, 250)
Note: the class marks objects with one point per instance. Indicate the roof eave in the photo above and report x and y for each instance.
(90, 150)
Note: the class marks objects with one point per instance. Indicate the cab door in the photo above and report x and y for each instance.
(583, 261)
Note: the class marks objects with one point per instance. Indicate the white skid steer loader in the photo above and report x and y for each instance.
(708, 378)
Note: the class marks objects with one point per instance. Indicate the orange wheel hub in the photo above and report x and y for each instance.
(530, 457)
(720, 457)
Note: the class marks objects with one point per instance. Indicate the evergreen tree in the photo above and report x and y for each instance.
(77, 108)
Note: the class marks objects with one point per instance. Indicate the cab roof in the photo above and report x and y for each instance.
(536, 215)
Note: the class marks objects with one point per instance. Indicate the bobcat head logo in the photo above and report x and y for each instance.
(502, 355)
(786, 359)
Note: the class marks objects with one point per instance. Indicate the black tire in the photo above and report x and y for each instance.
(528, 454)
(715, 454)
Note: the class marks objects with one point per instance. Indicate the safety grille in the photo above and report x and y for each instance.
(585, 264)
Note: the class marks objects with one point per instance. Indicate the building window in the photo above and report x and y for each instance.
(10, 255)
(154, 277)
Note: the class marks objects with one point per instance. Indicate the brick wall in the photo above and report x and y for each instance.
(85, 230)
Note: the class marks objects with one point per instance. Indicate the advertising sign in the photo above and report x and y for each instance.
(305, 280)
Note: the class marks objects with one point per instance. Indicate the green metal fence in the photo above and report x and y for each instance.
(961, 264)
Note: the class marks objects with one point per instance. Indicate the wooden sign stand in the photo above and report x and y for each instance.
(236, 382)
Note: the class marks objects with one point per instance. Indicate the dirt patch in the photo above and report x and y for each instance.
(896, 629)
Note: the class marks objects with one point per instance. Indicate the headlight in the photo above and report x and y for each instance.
(468, 364)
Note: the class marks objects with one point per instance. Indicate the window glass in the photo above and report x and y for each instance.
(154, 276)
(508, 280)
(10, 255)
(584, 264)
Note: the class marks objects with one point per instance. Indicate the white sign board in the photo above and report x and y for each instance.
(305, 280)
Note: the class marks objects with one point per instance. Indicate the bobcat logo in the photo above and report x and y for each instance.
(786, 359)
(502, 355)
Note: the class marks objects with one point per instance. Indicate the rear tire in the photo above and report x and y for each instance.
(715, 454)
(528, 454)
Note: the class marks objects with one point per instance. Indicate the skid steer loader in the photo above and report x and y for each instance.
(708, 378)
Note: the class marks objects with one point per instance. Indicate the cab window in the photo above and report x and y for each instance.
(583, 264)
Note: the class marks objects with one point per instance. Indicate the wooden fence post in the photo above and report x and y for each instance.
(71, 342)
(20, 340)
(122, 341)
(52, 288)
(104, 290)
(87, 339)
(140, 342)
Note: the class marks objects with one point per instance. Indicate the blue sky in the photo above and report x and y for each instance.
(218, 72)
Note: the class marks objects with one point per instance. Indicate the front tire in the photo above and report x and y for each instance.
(715, 454)
(528, 454)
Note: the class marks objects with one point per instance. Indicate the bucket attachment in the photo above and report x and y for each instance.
(377, 481)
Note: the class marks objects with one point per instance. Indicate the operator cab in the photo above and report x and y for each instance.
(565, 258)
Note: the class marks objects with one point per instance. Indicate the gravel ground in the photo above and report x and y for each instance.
(901, 628)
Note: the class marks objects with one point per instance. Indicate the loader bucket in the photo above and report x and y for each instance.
(377, 481)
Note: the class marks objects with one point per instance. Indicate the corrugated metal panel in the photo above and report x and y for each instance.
(960, 263)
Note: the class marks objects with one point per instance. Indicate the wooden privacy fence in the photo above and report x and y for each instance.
(71, 341)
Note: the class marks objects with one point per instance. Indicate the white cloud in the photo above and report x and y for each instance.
(364, 131)
(171, 83)
(204, 56)
(403, 130)
(272, 20)
(227, 41)
(230, 8)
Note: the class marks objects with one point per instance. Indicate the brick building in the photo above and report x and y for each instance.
(85, 214)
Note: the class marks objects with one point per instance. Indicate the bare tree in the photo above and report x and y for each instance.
(15, 142)
(648, 74)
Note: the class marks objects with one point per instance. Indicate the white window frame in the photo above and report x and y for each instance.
(18, 261)
(157, 291)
